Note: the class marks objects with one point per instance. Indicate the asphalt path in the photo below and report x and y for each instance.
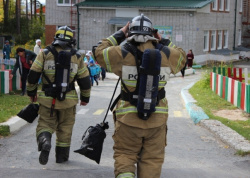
(192, 150)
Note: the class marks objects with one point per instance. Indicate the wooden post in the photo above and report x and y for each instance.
(229, 72)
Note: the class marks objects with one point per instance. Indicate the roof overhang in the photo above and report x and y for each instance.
(119, 20)
(156, 4)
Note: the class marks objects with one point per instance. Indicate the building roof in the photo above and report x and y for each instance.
(152, 4)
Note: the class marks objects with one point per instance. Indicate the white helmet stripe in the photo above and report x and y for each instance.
(137, 23)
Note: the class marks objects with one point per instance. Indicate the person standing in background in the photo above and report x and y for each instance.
(190, 58)
(37, 47)
(6, 50)
(24, 60)
(37, 50)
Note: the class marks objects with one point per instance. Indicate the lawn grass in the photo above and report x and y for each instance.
(211, 102)
(11, 104)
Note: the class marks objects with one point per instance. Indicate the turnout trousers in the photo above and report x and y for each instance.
(61, 122)
(144, 147)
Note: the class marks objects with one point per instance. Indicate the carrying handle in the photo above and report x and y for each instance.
(111, 101)
(85, 132)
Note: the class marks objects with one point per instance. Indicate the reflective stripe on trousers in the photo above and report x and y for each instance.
(126, 175)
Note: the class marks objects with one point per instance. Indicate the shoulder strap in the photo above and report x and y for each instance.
(116, 100)
(132, 48)
(158, 45)
(53, 51)
(55, 54)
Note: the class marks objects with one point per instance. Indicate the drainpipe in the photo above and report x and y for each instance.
(235, 13)
(78, 27)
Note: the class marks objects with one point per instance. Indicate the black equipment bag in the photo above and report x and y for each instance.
(29, 113)
(93, 142)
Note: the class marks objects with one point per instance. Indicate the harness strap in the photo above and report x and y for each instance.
(126, 96)
(71, 86)
(133, 96)
(55, 54)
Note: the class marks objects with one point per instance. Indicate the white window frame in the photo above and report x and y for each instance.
(239, 37)
(206, 41)
(241, 5)
(225, 39)
(221, 5)
(213, 40)
(219, 39)
(215, 5)
(65, 4)
(227, 5)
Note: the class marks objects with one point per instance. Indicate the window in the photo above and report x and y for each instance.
(215, 5)
(66, 2)
(225, 39)
(227, 2)
(213, 40)
(219, 39)
(206, 40)
(245, 12)
(221, 5)
(241, 5)
(216, 39)
(239, 38)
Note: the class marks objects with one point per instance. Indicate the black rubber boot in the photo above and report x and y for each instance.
(44, 145)
(62, 154)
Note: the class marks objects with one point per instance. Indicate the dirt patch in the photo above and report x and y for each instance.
(234, 115)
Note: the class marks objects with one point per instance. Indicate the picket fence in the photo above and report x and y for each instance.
(7, 85)
(232, 90)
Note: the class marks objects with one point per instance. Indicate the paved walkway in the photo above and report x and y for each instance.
(196, 114)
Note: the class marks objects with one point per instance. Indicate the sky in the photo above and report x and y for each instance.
(42, 1)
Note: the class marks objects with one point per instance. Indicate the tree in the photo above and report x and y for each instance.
(1, 11)
(35, 9)
(26, 4)
(18, 15)
(6, 11)
(31, 10)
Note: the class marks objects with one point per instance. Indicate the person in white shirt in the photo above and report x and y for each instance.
(37, 47)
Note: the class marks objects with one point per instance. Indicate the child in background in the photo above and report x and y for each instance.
(94, 71)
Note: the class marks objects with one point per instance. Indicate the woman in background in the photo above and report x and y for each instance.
(190, 58)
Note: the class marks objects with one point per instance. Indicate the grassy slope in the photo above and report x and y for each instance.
(11, 104)
(211, 102)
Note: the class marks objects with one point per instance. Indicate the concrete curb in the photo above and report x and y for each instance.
(225, 133)
(15, 124)
(196, 113)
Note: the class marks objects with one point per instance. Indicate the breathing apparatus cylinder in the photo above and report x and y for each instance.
(62, 74)
(149, 81)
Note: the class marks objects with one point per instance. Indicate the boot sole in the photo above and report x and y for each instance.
(44, 155)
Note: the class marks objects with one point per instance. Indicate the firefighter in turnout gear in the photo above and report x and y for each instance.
(139, 138)
(60, 66)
